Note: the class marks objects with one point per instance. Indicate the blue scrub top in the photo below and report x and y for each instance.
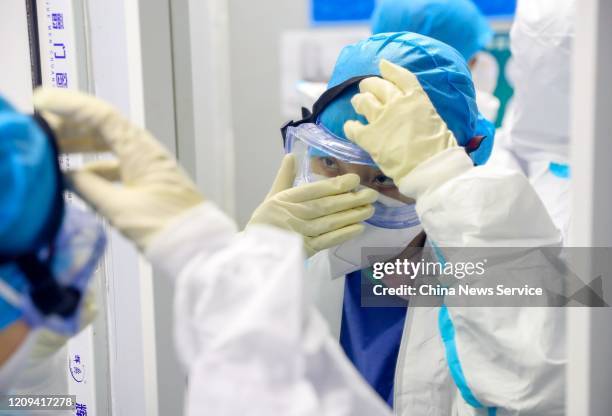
(371, 337)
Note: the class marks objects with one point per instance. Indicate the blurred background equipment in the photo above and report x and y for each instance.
(307, 56)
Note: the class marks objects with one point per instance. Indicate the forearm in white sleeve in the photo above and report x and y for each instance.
(465, 206)
(248, 339)
(201, 231)
(512, 358)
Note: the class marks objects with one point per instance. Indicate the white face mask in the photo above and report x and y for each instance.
(347, 257)
(388, 242)
(11, 369)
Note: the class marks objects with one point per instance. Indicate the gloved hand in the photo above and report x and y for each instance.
(326, 213)
(404, 127)
(153, 189)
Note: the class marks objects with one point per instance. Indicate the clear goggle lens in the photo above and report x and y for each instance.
(320, 154)
(77, 248)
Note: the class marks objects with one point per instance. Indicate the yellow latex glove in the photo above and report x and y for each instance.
(153, 189)
(326, 213)
(404, 127)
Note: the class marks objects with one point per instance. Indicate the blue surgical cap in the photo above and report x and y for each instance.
(28, 188)
(28, 181)
(458, 23)
(440, 69)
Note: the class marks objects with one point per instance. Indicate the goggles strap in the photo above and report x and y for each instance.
(49, 297)
(334, 92)
(324, 100)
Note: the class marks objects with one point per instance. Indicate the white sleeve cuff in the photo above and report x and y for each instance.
(435, 171)
(203, 229)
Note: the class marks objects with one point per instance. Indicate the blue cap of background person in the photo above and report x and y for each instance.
(442, 72)
(29, 182)
(458, 23)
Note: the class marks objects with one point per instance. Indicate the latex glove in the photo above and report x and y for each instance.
(404, 127)
(326, 213)
(153, 189)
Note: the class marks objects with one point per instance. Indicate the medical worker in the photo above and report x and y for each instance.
(247, 337)
(457, 23)
(535, 135)
(48, 252)
(245, 332)
(420, 128)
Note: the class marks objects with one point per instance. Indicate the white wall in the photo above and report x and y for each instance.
(15, 75)
(255, 28)
(589, 371)
(117, 76)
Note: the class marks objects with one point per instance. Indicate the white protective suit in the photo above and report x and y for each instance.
(45, 369)
(509, 358)
(43, 374)
(485, 73)
(535, 136)
(245, 333)
(248, 339)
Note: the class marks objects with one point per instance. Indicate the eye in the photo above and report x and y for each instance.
(329, 162)
(382, 180)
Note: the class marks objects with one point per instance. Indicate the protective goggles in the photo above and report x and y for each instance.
(45, 283)
(46, 287)
(320, 154)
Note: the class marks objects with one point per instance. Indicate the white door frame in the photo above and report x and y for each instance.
(589, 373)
